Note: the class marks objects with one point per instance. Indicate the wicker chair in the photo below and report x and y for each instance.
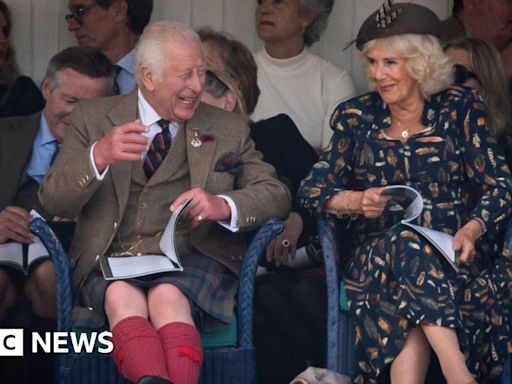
(232, 365)
(340, 331)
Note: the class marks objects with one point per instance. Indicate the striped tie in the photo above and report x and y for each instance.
(158, 149)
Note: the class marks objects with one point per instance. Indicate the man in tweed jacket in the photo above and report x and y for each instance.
(98, 176)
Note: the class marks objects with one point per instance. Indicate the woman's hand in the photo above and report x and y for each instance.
(372, 203)
(465, 240)
(278, 253)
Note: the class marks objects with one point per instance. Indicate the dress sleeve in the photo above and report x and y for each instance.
(331, 173)
(485, 165)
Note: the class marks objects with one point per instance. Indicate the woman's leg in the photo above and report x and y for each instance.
(137, 347)
(171, 314)
(445, 344)
(411, 364)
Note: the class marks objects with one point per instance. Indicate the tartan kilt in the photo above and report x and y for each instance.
(210, 287)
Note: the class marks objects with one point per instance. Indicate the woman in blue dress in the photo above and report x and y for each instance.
(415, 130)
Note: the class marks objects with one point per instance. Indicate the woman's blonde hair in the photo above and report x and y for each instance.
(425, 60)
(488, 68)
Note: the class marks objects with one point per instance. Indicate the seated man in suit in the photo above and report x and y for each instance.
(110, 174)
(27, 147)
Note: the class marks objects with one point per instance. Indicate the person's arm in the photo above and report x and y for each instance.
(255, 191)
(486, 167)
(331, 173)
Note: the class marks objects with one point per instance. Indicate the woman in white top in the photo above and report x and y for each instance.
(291, 79)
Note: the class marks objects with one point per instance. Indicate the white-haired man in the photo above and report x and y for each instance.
(106, 174)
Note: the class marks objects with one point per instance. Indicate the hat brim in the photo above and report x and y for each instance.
(411, 19)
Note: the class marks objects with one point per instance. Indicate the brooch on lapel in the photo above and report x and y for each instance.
(197, 140)
(230, 162)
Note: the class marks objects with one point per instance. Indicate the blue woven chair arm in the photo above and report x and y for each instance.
(62, 271)
(252, 259)
(328, 243)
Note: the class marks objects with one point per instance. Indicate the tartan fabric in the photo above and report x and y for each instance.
(208, 284)
(158, 149)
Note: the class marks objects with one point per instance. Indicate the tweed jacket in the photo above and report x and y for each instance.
(17, 135)
(70, 188)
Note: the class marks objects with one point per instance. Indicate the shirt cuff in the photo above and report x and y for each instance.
(233, 224)
(93, 164)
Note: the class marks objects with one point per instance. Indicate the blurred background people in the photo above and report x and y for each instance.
(19, 95)
(291, 79)
(478, 65)
(114, 27)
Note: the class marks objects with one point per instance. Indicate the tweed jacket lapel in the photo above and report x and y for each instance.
(199, 158)
(16, 139)
(123, 112)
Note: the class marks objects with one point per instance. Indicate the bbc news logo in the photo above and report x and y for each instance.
(11, 342)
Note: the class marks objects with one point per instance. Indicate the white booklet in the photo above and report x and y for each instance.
(24, 257)
(411, 200)
(127, 266)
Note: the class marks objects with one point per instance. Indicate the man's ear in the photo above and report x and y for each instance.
(147, 78)
(230, 101)
(45, 88)
(120, 9)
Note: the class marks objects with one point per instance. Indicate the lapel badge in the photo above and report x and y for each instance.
(196, 140)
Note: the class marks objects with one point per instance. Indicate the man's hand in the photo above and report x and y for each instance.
(204, 206)
(276, 251)
(14, 223)
(123, 142)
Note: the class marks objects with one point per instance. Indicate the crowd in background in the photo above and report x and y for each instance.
(437, 119)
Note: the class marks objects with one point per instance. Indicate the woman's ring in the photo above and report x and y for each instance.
(285, 243)
(199, 218)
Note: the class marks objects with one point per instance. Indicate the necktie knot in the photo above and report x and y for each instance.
(115, 89)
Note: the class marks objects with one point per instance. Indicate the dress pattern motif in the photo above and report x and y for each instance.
(395, 279)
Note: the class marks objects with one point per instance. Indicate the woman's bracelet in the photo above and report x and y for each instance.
(338, 207)
(483, 229)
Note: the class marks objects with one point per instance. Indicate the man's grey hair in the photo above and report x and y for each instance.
(86, 61)
(155, 35)
(323, 9)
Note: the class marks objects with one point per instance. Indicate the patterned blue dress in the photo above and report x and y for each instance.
(394, 279)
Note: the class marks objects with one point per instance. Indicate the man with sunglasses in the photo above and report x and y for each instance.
(114, 27)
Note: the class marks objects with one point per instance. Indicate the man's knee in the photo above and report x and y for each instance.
(41, 283)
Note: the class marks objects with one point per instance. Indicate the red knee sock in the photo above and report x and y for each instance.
(137, 349)
(183, 352)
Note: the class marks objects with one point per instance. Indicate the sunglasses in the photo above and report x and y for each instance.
(461, 74)
(78, 13)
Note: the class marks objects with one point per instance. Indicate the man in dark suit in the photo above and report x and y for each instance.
(27, 147)
(123, 203)
(114, 27)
